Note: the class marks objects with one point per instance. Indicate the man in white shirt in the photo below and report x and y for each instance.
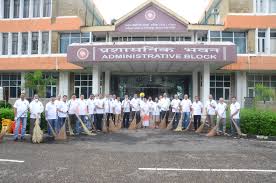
(58, 100)
(21, 107)
(197, 112)
(211, 110)
(234, 115)
(82, 112)
(117, 110)
(36, 108)
(51, 114)
(165, 107)
(221, 115)
(72, 109)
(108, 107)
(186, 106)
(99, 112)
(62, 109)
(135, 108)
(176, 110)
(126, 111)
(91, 108)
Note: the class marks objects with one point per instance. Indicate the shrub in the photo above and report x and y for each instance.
(258, 122)
(4, 104)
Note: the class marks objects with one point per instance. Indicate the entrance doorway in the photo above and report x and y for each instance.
(151, 85)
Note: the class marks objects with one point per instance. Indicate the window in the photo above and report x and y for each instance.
(36, 8)
(26, 8)
(5, 43)
(138, 38)
(164, 39)
(16, 7)
(24, 47)
(12, 83)
(272, 6)
(261, 41)
(265, 79)
(45, 43)
(34, 43)
(14, 43)
(47, 8)
(69, 38)
(260, 6)
(220, 85)
(83, 84)
(7, 8)
(273, 41)
(51, 89)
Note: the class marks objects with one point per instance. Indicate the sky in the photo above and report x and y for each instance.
(191, 10)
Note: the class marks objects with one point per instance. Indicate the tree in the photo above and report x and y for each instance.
(37, 82)
(263, 93)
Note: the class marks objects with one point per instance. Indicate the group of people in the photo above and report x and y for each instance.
(109, 108)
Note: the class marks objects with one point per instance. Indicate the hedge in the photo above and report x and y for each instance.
(8, 113)
(258, 122)
(4, 104)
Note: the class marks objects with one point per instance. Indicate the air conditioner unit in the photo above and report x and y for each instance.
(215, 11)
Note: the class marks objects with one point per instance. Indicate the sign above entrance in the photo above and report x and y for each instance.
(152, 52)
(150, 19)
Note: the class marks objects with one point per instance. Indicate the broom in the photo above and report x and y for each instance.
(238, 129)
(62, 133)
(51, 128)
(37, 133)
(170, 125)
(163, 124)
(179, 125)
(69, 127)
(104, 127)
(3, 132)
(112, 127)
(91, 121)
(213, 131)
(84, 127)
(200, 128)
(118, 121)
(132, 125)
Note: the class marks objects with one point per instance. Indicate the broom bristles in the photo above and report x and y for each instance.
(238, 129)
(132, 125)
(37, 133)
(91, 121)
(200, 128)
(69, 127)
(112, 127)
(3, 133)
(62, 133)
(163, 124)
(179, 125)
(213, 131)
(84, 127)
(170, 125)
(118, 121)
(52, 129)
(104, 127)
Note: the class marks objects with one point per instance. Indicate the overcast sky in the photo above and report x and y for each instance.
(191, 10)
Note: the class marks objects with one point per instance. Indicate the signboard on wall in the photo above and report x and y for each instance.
(152, 53)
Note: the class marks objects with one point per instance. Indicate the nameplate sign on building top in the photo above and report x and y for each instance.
(152, 53)
(151, 19)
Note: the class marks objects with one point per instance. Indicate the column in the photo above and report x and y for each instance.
(209, 36)
(267, 41)
(11, 8)
(205, 82)
(1, 42)
(21, 9)
(10, 43)
(64, 81)
(23, 82)
(1, 9)
(96, 79)
(29, 43)
(241, 87)
(256, 41)
(39, 42)
(50, 43)
(31, 9)
(19, 43)
(41, 8)
(195, 84)
(107, 77)
(254, 7)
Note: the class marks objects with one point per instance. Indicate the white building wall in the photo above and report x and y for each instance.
(64, 82)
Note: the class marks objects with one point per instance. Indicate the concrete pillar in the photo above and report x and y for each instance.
(64, 82)
(11, 8)
(96, 79)
(241, 87)
(39, 42)
(21, 8)
(195, 84)
(10, 43)
(256, 41)
(267, 41)
(205, 82)
(19, 51)
(1, 9)
(31, 8)
(29, 43)
(107, 78)
(41, 8)
(50, 43)
(1, 42)
(23, 83)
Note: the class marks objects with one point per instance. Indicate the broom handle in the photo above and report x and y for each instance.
(91, 121)
(83, 125)
(236, 126)
(51, 128)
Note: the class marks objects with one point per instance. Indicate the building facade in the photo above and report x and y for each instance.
(151, 49)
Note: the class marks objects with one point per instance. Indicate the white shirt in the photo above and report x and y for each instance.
(57, 102)
(63, 107)
(186, 105)
(117, 106)
(175, 105)
(211, 107)
(156, 109)
(91, 106)
(99, 106)
(108, 105)
(51, 110)
(233, 108)
(197, 108)
(21, 107)
(135, 104)
(82, 107)
(165, 104)
(145, 108)
(72, 105)
(126, 105)
(36, 107)
(151, 106)
(221, 110)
